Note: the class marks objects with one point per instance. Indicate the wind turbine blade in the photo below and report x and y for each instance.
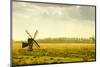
(35, 34)
(28, 33)
(36, 44)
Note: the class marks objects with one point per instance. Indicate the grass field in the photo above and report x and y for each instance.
(49, 53)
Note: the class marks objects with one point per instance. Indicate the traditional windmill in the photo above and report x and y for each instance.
(30, 42)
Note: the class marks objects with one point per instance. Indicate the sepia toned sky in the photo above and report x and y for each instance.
(52, 20)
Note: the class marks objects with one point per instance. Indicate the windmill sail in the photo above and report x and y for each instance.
(24, 45)
(28, 33)
(36, 44)
(35, 34)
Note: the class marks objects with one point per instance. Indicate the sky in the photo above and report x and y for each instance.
(52, 20)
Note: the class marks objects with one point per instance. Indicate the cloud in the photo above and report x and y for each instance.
(64, 12)
(87, 12)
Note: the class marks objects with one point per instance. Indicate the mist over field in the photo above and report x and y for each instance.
(64, 40)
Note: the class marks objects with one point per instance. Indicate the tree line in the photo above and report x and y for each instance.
(67, 40)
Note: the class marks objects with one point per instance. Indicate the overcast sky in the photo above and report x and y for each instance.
(52, 20)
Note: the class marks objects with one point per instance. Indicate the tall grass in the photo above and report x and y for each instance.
(53, 53)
